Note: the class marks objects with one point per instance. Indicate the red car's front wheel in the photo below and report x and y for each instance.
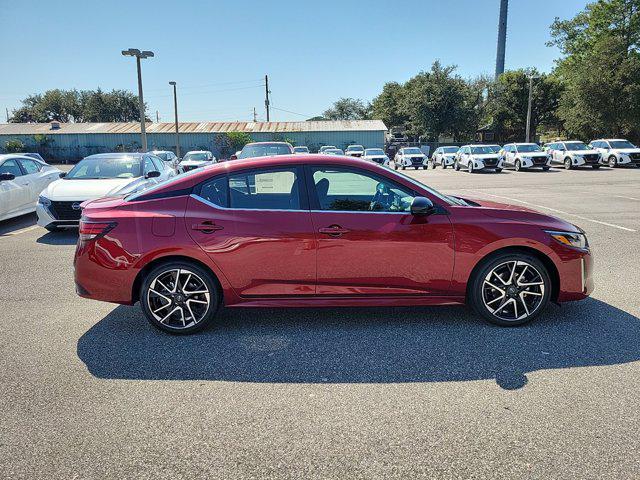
(179, 297)
(510, 289)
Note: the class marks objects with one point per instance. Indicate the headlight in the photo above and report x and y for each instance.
(571, 239)
(44, 201)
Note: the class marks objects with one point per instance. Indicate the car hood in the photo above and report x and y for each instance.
(70, 189)
(519, 213)
(583, 152)
(533, 154)
(485, 156)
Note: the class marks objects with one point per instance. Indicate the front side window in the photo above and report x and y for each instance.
(30, 166)
(275, 189)
(358, 191)
(11, 166)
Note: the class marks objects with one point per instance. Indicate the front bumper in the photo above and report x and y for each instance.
(47, 219)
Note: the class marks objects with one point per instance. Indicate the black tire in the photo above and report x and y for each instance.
(475, 287)
(498, 170)
(545, 169)
(395, 166)
(456, 166)
(208, 279)
(444, 166)
(567, 164)
(433, 164)
(595, 167)
(404, 168)
(53, 228)
(470, 167)
(424, 167)
(518, 166)
(613, 161)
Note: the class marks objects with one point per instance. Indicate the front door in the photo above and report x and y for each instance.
(368, 241)
(256, 227)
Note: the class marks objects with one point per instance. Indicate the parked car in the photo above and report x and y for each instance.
(264, 149)
(22, 179)
(37, 156)
(235, 228)
(376, 155)
(522, 156)
(444, 156)
(409, 157)
(96, 176)
(195, 159)
(494, 148)
(326, 147)
(333, 151)
(301, 150)
(617, 152)
(354, 151)
(573, 154)
(475, 158)
(168, 157)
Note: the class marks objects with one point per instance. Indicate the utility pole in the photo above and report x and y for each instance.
(175, 109)
(255, 116)
(134, 52)
(502, 37)
(157, 117)
(531, 77)
(266, 93)
(7, 111)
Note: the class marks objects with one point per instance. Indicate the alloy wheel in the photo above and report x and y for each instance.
(178, 298)
(513, 290)
(612, 161)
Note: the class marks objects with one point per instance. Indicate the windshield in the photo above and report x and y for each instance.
(574, 146)
(412, 151)
(110, 167)
(355, 148)
(621, 144)
(300, 149)
(196, 157)
(334, 151)
(449, 149)
(264, 150)
(483, 150)
(528, 147)
(374, 151)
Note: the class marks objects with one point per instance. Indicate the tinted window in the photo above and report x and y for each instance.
(276, 189)
(30, 166)
(11, 166)
(356, 190)
(215, 191)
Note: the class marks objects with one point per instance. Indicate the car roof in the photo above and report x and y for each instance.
(117, 155)
(198, 151)
(349, 146)
(268, 143)
(610, 140)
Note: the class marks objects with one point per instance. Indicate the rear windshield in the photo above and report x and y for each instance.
(196, 157)
(250, 151)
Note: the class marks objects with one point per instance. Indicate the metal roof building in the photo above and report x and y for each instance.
(72, 141)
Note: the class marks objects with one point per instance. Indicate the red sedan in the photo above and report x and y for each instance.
(321, 231)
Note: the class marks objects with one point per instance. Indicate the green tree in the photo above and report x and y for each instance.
(237, 140)
(600, 69)
(388, 106)
(508, 97)
(347, 109)
(13, 146)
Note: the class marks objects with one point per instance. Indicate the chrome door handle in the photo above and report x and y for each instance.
(206, 227)
(334, 230)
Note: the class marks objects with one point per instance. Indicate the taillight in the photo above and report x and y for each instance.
(93, 230)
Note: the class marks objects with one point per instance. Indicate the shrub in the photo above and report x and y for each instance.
(13, 146)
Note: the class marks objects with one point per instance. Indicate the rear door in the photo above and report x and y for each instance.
(368, 241)
(256, 226)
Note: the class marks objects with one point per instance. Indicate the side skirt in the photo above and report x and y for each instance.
(399, 301)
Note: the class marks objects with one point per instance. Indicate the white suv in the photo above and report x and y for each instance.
(444, 156)
(524, 155)
(410, 157)
(354, 151)
(478, 157)
(573, 154)
(617, 151)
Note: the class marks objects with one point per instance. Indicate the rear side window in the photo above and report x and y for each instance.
(30, 166)
(11, 166)
(277, 189)
(215, 191)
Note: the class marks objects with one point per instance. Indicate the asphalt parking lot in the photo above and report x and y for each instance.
(89, 389)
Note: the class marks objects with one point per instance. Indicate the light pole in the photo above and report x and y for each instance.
(175, 109)
(531, 77)
(134, 52)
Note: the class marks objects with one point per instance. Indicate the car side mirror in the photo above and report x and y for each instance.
(422, 206)
(152, 174)
(6, 176)
(63, 174)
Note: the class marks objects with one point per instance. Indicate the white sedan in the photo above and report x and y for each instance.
(21, 181)
(94, 177)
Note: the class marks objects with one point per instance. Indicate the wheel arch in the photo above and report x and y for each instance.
(545, 259)
(137, 283)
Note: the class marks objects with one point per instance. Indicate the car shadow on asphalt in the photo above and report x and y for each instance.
(63, 237)
(381, 345)
(17, 223)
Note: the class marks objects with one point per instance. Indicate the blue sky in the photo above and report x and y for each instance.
(219, 51)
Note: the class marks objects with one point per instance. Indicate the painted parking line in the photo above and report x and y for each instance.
(561, 212)
(18, 232)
